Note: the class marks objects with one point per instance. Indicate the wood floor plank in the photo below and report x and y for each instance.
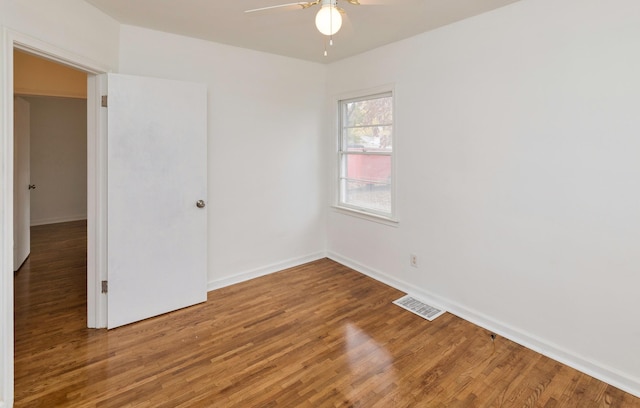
(318, 335)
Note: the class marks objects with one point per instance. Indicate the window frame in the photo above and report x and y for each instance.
(389, 218)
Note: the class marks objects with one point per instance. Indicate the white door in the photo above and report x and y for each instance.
(21, 185)
(157, 173)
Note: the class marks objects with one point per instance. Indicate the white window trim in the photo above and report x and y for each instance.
(392, 219)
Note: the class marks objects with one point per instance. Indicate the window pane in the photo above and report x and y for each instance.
(365, 153)
(377, 111)
(369, 138)
(376, 197)
(368, 168)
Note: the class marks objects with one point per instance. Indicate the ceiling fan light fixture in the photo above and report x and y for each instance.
(328, 19)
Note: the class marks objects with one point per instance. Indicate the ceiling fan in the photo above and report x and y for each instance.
(328, 18)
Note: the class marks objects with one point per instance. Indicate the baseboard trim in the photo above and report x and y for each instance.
(262, 271)
(57, 220)
(603, 373)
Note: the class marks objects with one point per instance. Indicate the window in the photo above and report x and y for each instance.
(365, 155)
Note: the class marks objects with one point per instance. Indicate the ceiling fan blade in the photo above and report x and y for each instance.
(302, 4)
(311, 3)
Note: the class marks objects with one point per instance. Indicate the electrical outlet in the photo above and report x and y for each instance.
(413, 260)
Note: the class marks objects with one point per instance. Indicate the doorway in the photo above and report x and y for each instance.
(93, 164)
(96, 192)
(50, 145)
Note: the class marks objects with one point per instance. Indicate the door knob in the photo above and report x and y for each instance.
(200, 204)
(32, 186)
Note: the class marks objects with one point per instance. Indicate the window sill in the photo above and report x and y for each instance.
(380, 219)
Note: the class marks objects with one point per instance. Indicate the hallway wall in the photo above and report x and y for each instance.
(58, 159)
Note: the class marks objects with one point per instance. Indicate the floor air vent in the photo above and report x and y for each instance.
(418, 307)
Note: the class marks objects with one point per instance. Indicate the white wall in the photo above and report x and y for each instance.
(58, 159)
(266, 179)
(77, 29)
(518, 140)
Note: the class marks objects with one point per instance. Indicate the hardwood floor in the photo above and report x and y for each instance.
(319, 335)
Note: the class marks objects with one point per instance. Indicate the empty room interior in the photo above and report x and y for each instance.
(351, 203)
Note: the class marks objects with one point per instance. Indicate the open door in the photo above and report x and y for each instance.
(156, 192)
(22, 179)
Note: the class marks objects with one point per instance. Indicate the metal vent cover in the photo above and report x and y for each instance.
(418, 307)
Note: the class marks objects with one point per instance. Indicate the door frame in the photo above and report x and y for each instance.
(96, 192)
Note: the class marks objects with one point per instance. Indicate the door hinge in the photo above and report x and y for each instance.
(104, 287)
(104, 101)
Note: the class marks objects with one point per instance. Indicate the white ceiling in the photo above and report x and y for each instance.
(291, 31)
